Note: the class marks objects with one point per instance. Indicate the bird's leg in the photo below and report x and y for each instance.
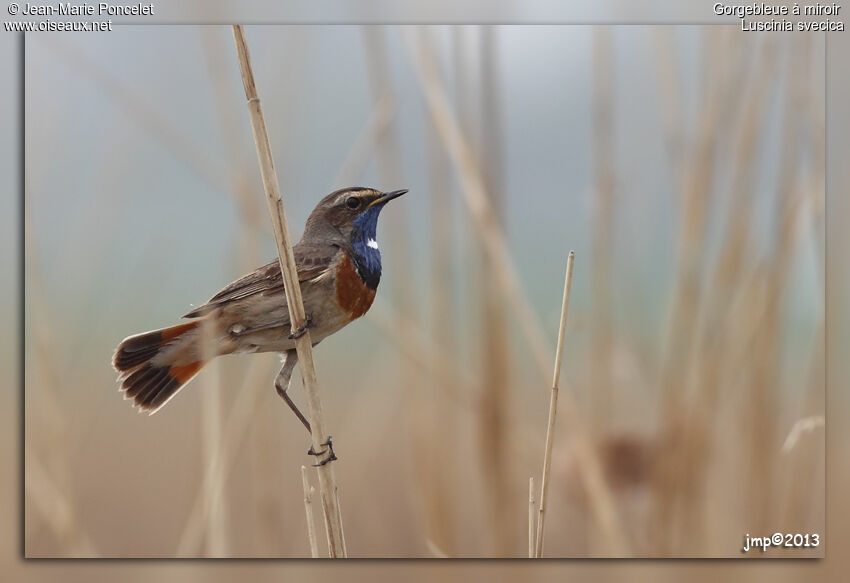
(302, 328)
(281, 384)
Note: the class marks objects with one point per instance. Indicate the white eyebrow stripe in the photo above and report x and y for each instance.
(372, 243)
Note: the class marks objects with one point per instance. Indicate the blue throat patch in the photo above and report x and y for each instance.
(367, 259)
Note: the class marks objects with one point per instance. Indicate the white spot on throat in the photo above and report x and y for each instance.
(372, 243)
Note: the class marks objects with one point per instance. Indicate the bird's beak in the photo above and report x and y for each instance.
(387, 197)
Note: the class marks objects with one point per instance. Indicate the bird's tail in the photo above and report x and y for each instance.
(153, 366)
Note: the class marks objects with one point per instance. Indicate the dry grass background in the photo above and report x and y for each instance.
(439, 429)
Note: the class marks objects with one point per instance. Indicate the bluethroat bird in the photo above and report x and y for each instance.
(339, 267)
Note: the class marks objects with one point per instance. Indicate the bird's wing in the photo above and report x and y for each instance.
(312, 261)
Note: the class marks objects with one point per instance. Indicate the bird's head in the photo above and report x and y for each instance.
(350, 214)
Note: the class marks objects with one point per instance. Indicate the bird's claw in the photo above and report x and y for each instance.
(302, 329)
(329, 449)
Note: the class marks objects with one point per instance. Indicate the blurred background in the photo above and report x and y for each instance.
(684, 165)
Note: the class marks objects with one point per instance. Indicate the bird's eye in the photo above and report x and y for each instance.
(352, 202)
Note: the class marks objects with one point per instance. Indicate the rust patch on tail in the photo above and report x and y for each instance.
(178, 330)
(185, 372)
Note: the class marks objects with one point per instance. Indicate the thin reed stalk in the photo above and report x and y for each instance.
(253, 228)
(242, 412)
(531, 517)
(724, 287)
(431, 357)
(369, 139)
(423, 424)
(444, 422)
(297, 316)
(553, 411)
(764, 408)
(341, 528)
(602, 251)
(799, 504)
(50, 502)
(215, 494)
(474, 195)
(696, 192)
(436, 551)
(308, 510)
(670, 99)
(149, 119)
(495, 407)
(697, 185)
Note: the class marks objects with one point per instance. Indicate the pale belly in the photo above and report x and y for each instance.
(327, 317)
(260, 323)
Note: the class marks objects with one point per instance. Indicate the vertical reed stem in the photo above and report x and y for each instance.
(553, 410)
(604, 204)
(341, 529)
(531, 518)
(495, 405)
(308, 510)
(303, 344)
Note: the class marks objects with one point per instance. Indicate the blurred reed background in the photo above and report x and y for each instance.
(685, 165)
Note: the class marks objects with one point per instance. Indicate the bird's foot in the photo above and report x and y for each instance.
(302, 329)
(329, 449)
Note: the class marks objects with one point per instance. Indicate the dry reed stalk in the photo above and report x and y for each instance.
(435, 550)
(495, 358)
(436, 420)
(477, 201)
(46, 475)
(800, 504)
(461, 73)
(341, 527)
(474, 196)
(736, 248)
(50, 404)
(213, 492)
(444, 413)
(670, 97)
(464, 70)
(764, 408)
(800, 428)
(50, 502)
(225, 102)
(242, 412)
(196, 158)
(715, 318)
(149, 119)
(455, 384)
(804, 473)
(368, 140)
(553, 411)
(431, 357)
(602, 255)
(531, 517)
(817, 109)
(425, 426)
(303, 344)
(388, 157)
(215, 496)
(252, 227)
(698, 183)
(308, 510)
(242, 185)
